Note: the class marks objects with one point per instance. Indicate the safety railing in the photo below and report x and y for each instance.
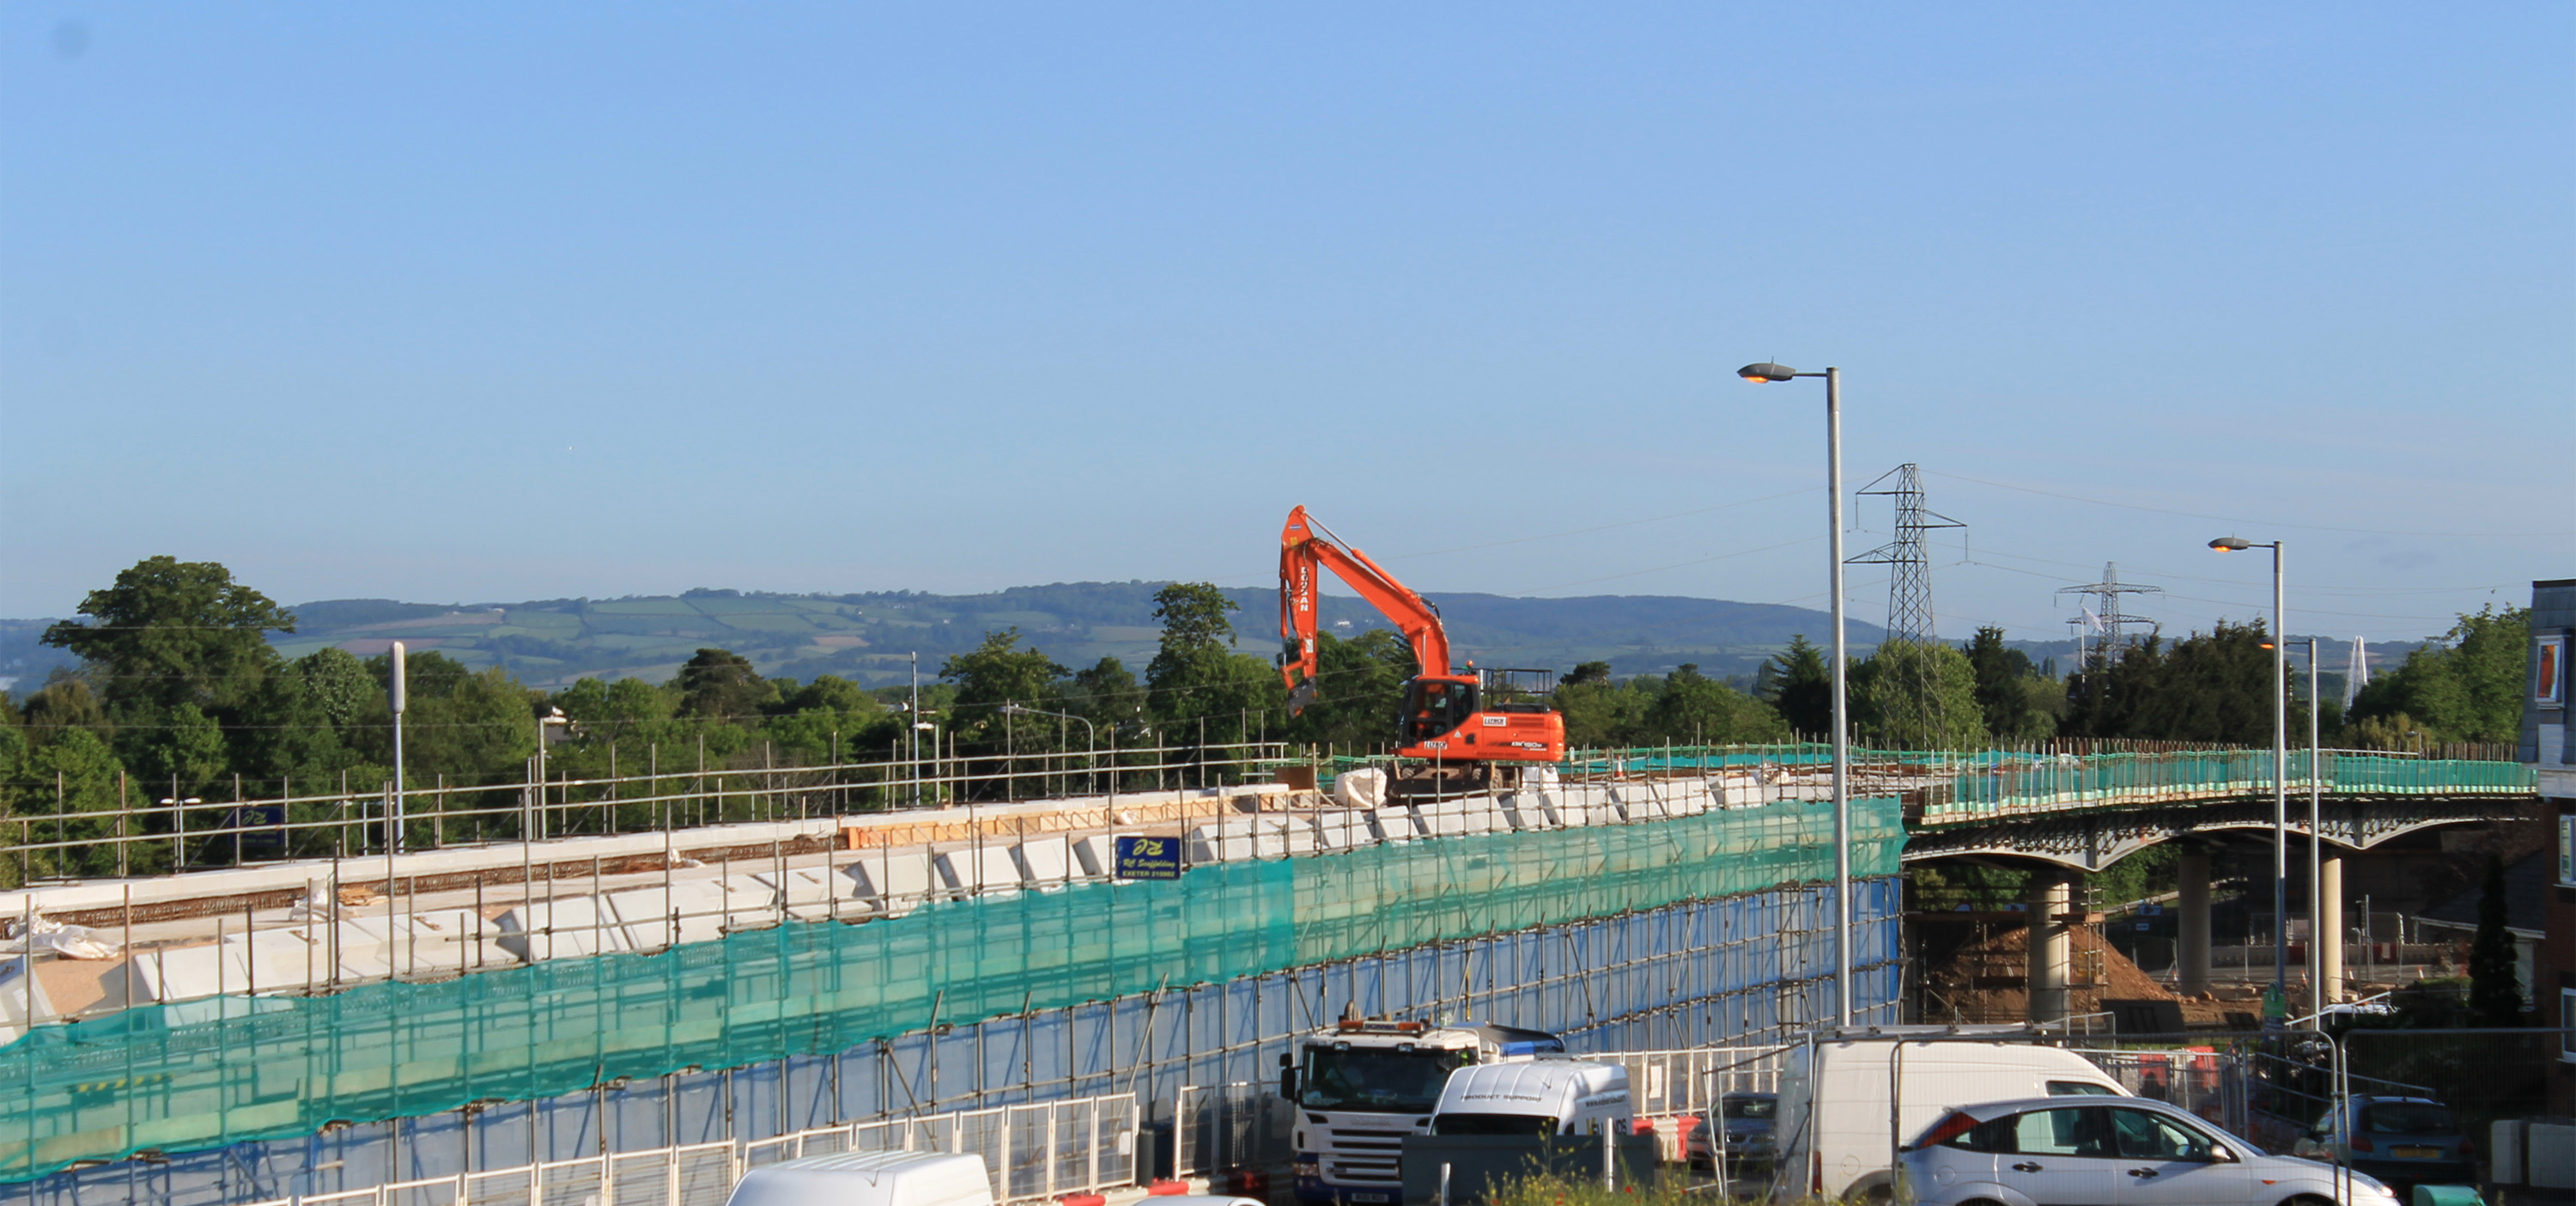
(2044, 784)
(1032, 1153)
(149, 832)
(145, 834)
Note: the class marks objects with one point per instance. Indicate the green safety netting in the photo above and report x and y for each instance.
(2014, 776)
(207, 1073)
(1963, 787)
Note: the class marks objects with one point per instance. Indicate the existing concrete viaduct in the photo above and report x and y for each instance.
(2073, 816)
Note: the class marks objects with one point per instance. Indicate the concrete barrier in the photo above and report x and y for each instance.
(564, 927)
(23, 1003)
(977, 870)
(691, 910)
(185, 973)
(1344, 829)
(889, 882)
(1095, 855)
(750, 902)
(1208, 845)
(1044, 862)
(807, 890)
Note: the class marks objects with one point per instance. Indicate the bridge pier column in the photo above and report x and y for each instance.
(2327, 930)
(2194, 922)
(2052, 946)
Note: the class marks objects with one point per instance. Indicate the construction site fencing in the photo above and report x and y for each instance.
(1242, 1124)
(1031, 1153)
(1583, 918)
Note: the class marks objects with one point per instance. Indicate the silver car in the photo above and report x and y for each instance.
(2401, 1140)
(2056, 1151)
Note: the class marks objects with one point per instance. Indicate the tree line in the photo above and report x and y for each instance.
(180, 695)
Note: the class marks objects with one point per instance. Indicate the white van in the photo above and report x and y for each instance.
(868, 1179)
(1550, 1095)
(1843, 1094)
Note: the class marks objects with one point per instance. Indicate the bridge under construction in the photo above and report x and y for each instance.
(489, 1008)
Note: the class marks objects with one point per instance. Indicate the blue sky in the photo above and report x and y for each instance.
(483, 302)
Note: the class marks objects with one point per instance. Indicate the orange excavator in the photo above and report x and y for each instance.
(1463, 724)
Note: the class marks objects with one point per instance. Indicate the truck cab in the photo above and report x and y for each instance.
(1364, 1084)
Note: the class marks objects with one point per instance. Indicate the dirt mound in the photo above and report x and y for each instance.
(1987, 979)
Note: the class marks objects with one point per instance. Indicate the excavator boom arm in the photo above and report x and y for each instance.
(1306, 546)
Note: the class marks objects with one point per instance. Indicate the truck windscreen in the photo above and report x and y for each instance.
(1398, 1082)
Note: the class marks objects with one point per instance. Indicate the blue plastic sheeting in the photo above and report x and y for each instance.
(212, 1073)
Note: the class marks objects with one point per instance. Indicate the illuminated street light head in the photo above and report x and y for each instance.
(1766, 371)
(2231, 544)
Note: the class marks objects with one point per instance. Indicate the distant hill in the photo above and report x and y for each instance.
(868, 637)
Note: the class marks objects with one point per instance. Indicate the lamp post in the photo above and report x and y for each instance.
(2316, 847)
(397, 693)
(2280, 788)
(1759, 374)
(919, 727)
(534, 822)
(1091, 736)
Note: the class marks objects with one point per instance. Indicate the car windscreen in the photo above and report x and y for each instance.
(2408, 1118)
(1376, 1078)
(1492, 1124)
(1763, 1108)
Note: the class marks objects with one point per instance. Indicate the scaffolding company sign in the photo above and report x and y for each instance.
(1149, 858)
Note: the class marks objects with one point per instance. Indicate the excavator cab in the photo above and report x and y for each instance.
(1433, 707)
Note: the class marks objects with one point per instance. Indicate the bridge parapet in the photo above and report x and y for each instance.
(1985, 791)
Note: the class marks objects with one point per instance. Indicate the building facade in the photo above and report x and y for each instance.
(2544, 744)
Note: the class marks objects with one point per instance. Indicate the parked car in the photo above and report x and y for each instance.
(2404, 1141)
(1746, 1120)
(2129, 1151)
(1848, 1097)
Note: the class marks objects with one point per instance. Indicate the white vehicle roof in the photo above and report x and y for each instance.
(868, 1179)
(1543, 1086)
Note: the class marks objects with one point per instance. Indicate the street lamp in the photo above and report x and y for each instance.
(554, 718)
(918, 728)
(2280, 785)
(2316, 845)
(1091, 736)
(1760, 374)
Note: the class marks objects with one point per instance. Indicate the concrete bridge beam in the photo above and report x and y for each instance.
(2193, 865)
(2052, 944)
